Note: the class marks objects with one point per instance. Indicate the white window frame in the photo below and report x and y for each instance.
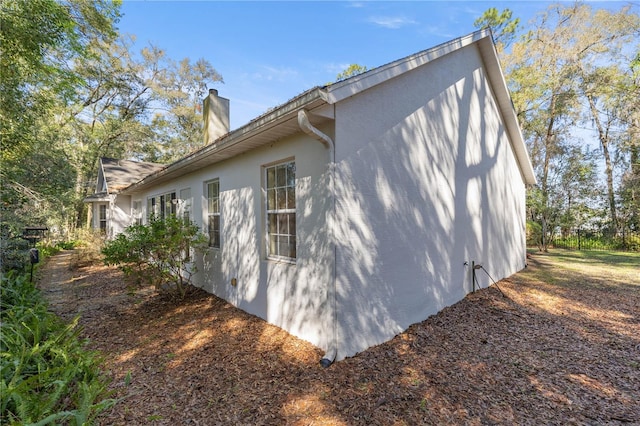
(136, 212)
(280, 210)
(103, 219)
(184, 205)
(212, 193)
(162, 205)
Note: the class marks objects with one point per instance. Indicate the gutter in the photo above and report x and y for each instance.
(260, 125)
(306, 126)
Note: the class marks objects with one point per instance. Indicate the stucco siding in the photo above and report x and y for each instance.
(120, 214)
(426, 181)
(291, 295)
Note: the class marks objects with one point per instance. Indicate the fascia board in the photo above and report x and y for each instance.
(105, 185)
(354, 85)
(265, 122)
(499, 85)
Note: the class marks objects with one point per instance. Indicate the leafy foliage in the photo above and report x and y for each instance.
(502, 24)
(40, 39)
(13, 254)
(590, 241)
(179, 88)
(353, 69)
(567, 72)
(46, 373)
(159, 253)
(73, 91)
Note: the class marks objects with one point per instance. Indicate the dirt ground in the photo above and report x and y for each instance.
(563, 347)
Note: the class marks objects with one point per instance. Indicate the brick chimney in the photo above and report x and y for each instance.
(215, 113)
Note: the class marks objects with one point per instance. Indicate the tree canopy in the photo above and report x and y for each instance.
(573, 83)
(72, 90)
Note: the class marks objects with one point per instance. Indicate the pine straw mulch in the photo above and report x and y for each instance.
(564, 349)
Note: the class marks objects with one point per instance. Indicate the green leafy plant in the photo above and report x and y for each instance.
(159, 253)
(47, 376)
(14, 253)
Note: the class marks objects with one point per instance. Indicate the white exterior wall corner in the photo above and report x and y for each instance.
(95, 213)
(119, 216)
(426, 180)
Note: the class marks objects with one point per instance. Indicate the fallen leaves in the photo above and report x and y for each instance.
(562, 353)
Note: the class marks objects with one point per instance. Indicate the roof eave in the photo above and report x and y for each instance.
(484, 39)
(279, 122)
(238, 140)
(98, 197)
(499, 84)
(354, 85)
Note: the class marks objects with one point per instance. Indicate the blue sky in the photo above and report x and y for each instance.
(268, 52)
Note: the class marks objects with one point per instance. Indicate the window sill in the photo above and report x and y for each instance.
(286, 260)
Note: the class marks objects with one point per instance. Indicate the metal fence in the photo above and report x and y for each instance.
(586, 240)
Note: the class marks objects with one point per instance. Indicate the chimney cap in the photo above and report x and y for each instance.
(213, 92)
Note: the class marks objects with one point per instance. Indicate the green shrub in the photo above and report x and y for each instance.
(66, 245)
(158, 253)
(598, 242)
(629, 243)
(47, 376)
(47, 250)
(14, 254)
(534, 234)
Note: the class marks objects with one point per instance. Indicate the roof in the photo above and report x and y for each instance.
(98, 196)
(282, 121)
(120, 174)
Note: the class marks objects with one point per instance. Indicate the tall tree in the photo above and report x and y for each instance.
(502, 24)
(601, 52)
(106, 115)
(178, 89)
(38, 38)
(556, 72)
(38, 41)
(630, 183)
(129, 106)
(76, 92)
(546, 104)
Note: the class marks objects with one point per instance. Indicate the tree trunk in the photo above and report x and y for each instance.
(548, 150)
(603, 136)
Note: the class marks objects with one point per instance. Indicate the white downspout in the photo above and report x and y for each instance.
(306, 126)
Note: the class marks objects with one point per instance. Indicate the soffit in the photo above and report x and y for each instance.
(282, 121)
(273, 126)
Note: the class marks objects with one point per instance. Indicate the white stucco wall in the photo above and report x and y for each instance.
(120, 215)
(118, 209)
(289, 295)
(427, 181)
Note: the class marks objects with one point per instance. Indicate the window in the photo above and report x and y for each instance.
(161, 206)
(184, 206)
(136, 212)
(102, 217)
(281, 210)
(213, 212)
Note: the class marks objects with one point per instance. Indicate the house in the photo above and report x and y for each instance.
(357, 209)
(110, 211)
